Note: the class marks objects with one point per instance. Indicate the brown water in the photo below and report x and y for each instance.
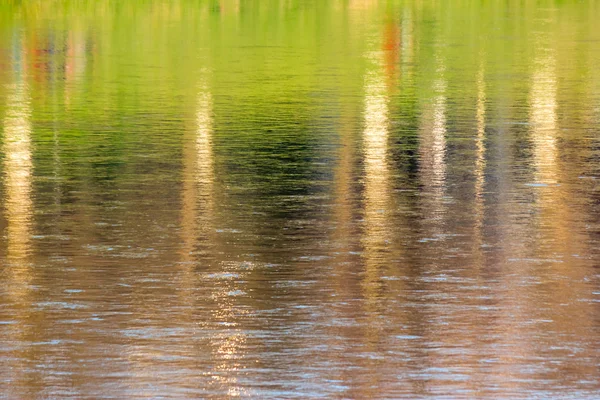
(299, 199)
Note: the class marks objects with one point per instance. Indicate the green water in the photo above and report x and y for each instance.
(299, 199)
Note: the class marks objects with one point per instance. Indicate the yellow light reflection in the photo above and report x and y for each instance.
(543, 117)
(228, 353)
(519, 300)
(438, 147)
(375, 144)
(228, 336)
(17, 177)
(561, 232)
(18, 208)
(480, 161)
(204, 144)
(433, 142)
(376, 236)
(199, 225)
(198, 174)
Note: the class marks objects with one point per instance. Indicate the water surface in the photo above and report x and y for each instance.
(299, 199)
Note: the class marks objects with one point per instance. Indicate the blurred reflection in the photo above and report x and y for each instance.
(18, 208)
(147, 289)
(543, 117)
(75, 63)
(562, 234)
(553, 198)
(204, 150)
(17, 177)
(227, 7)
(377, 191)
(480, 162)
(345, 243)
(392, 42)
(433, 143)
(377, 231)
(202, 250)
(198, 176)
(228, 339)
(407, 41)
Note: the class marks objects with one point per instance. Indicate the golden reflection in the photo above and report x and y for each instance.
(204, 141)
(17, 177)
(228, 345)
(376, 235)
(438, 133)
(433, 142)
(198, 178)
(18, 208)
(562, 234)
(552, 198)
(556, 236)
(543, 117)
(375, 143)
(480, 161)
(198, 228)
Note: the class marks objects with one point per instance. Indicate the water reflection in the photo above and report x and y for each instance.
(480, 162)
(432, 146)
(75, 61)
(198, 176)
(543, 116)
(18, 208)
(203, 246)
(348, 199)
(375, 143)
(18, 169)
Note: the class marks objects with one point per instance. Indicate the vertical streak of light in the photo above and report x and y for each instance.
(555, 219)
(375, 142)
(18, 171)
(439, 135)
(204, 151)
(480, 162)
(18, 208)
(376, 197)
(432, 161)
(517, 337)
(198, 176)
(479, 203)
(228, 342)
(543, 117)
(197, 193)
(561, 234)
(433, 144)
(197, 196)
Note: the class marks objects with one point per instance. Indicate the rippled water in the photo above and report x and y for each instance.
(299, 199)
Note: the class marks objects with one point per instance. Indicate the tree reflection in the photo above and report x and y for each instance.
(198, 176)
(18, 208)
(432, 148)
(480, 164)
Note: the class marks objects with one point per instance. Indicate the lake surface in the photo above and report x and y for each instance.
(299, 199)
